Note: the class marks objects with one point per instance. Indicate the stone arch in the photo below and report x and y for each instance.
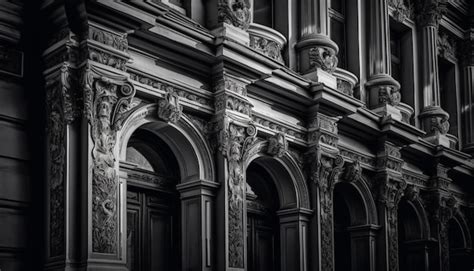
(293, 192)
(464, 227)
(185, 140)
(422, 217)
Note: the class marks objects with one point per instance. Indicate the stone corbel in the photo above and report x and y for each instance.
(277, 145)
(352, 171)
(169, 108)
(390, 158)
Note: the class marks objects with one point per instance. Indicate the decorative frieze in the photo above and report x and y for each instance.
(355, 156)
(181, 92)
(389, 157)
(116, 41)
(169, 108)
(109, 59)
(278, 127)
(232, 102)
(234, 12)
(106, 100)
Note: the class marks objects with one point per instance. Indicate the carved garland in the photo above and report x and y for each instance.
(234, 142)
(105, 103)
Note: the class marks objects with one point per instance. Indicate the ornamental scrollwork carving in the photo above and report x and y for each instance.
(325, 173)
(446, 46)
(169, 108)
(61, 111)
(267, 47)
(277, 145)
(116, 41)
(234, 12)
(234, 142)
(389, 95)
(106, 101)
(324, 58)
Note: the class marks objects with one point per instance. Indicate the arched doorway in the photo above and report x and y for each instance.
(412, 248)
(263, 244)
(153, 206)
(354, 230)
(277, 213)
(459, 258)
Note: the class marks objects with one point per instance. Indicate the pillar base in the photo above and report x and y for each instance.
(436, 125)
(317, 51)
(321, 76)
(389, 110)
(384, 95)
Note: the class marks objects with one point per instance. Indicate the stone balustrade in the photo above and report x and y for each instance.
(267, 41)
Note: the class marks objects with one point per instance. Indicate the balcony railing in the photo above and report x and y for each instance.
(345, 81)
(267, 41)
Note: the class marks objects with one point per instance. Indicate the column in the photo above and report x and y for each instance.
(384, 94)
(434, 118)
(86, 109)
(234, 134)
(294, 239)
(197, 216)
(468, 95)
(389, 186)
(325, 166)
(317, 52)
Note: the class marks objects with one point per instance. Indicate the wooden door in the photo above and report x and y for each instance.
(262, 248)
(152, 231)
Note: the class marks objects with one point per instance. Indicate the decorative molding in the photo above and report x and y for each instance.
(389, 157)
(106, 101)
(415, 180)
(232, 102)
(261, 120)
(389, 95)
(234, 12)
(268, 47)
(181, 92)
(169, 108)
(323, 57)
(277, 145)
(234, 141)
(355, 156)
(106, 58)
(352, 171)
(108, 38)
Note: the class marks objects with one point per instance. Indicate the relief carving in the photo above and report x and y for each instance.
(389, 95)
(61, 111)
(429, 12)
(118, 42)
(267, 47)
(169, 108)
(352, 171)
(234, 12)
(105, 103)
(446, 46)
(234, 142)
(401, 11)
(277, 145)
(324, 58)
(440, 124)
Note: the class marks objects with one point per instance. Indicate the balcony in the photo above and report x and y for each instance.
(267, 41)
(346, 81)
(406, 112)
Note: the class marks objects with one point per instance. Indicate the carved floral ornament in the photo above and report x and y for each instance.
(107, 100)
(234, 12)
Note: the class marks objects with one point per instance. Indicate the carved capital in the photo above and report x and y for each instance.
(401, 11)
(390, 191)
(323, 57)
(169, 109)
(446, 46)
(429, 12)
(277, 145)
(234, 12)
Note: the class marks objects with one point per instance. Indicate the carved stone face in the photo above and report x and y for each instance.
(103, 109)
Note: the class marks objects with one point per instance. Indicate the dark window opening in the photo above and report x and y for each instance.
(338, 29)
(263, 12)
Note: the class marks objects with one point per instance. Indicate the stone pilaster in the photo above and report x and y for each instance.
(234, 134)
(434, 118)
(87, 213)
(317, 52)
(384, 94)
(325, 167)
(389, 186)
